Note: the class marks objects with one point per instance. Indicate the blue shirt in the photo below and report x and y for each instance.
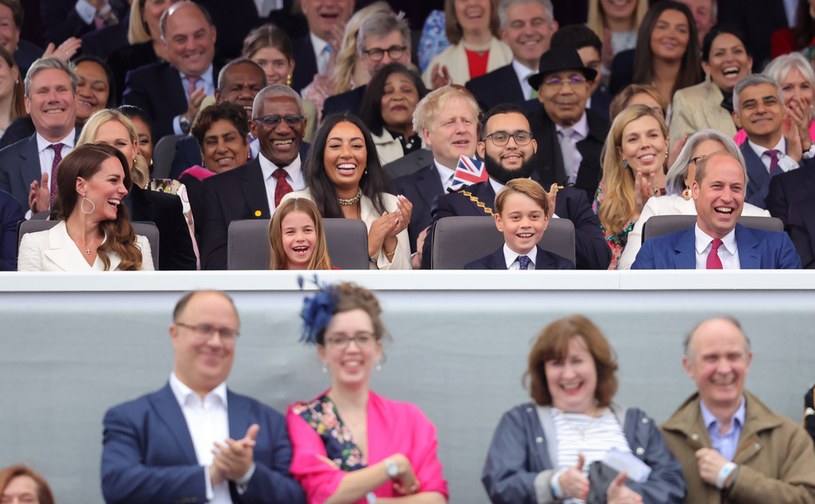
(727, 443)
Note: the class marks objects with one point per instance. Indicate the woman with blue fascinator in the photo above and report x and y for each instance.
(351, 445)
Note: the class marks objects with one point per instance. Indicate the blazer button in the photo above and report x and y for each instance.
(640, 450)
(539, 439)
(694, 436)
(645, 420)
(757, 446)
(529, 409)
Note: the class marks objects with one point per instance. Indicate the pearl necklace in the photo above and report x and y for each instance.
(350, 201)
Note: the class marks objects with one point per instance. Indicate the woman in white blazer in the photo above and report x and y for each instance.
(472, 29)
(677, 200)
(94, 232)
(345, 180)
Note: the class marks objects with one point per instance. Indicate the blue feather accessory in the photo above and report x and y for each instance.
(317, 310)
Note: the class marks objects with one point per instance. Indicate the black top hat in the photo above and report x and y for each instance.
(558, 59)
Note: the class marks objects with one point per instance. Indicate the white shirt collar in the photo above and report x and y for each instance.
(581, 127)
(703, 240)
(317, 43)
(184, 394)
(268, 168)
(523, 72)
(445, 174)
(43, 144)
(510, 256)
(206, 77)
(781, 147)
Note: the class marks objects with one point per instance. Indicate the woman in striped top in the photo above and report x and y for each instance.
(542, 452)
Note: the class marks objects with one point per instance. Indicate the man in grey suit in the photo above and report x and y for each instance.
(28, 167)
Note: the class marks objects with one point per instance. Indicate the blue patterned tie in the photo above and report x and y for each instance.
(524, 262)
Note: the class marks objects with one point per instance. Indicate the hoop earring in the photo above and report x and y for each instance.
(82, 206)
(686, 194)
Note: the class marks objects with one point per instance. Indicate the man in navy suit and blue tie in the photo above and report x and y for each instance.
(717, 241)
(195, 440)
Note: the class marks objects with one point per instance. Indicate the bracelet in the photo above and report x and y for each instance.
(554, 485)
(725, 473)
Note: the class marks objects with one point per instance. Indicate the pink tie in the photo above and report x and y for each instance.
(713, 261)
(774, 168)
(191, 82)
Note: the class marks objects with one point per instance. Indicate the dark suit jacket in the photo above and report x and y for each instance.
(148, 454)
(591, 250)
(786, 189)
(175, 250)
(20, 128)
(758, 187)
(545, 261)
(60, 20)
(420, 188)
(125, 59)
(305, 63)
(622, 71)
(758, 249)
(406, 165)
(158, 90)
(19, 166)
(801, 228)
(550, 158)
(349, 101)
(233, 195)
(11, 213)
(757, 19)
(187, 154)
(499, 86)
(104, 42)
(25, 55)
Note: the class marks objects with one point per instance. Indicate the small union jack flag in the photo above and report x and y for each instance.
(468, 171)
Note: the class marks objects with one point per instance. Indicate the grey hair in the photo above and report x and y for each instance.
(675, 178)
(272, 91)
(701, 167)
(755, 80)
(727, 318)
(49, 64)
(506, 4)
(781, 66)
(381, 24)
(235, 62)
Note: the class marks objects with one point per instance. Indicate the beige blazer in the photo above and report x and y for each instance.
(699, 107)
(54, 250)
(455, 59)
(401, 258)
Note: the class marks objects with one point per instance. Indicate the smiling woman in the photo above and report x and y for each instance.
(344, 178)
(94, 232)
(94, 87)
(572, 381)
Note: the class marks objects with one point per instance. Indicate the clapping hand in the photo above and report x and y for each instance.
(233, 458)
(440, 76)
(39, 197)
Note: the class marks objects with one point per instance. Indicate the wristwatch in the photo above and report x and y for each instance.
(184, 124)
(392, 468)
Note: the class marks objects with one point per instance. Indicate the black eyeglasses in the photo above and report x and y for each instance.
(271, 121)
(206, 331)
(502, 137)
(394, 52)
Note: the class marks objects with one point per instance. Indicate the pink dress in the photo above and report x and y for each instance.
(393, 427)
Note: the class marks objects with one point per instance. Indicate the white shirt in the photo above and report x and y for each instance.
(47, 154)
(267, 6)
(320, 55)
(728, 250)
(208, 422)
(511, 258)
(294, 176)
(790, 6)
(445, 176)
(523, 73)
(580, 130)
(87, 11)
(785, 162)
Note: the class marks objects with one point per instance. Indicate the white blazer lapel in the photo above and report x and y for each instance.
(62, 253)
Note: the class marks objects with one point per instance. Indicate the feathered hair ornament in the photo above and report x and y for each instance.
(317, 310)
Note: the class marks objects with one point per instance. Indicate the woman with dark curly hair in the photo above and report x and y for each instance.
(556, 447)
(387, 108)
(345, 179)
(349, 443)
(94, 232)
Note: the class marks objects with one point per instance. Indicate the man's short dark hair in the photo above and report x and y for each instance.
(501, 108)
(576, 37)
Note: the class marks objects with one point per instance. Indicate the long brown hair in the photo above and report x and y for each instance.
(452, 27)
(7, 474)
(17, 93)
(85, 161)
(319, 257)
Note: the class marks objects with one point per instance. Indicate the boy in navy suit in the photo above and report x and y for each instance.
(522, 214)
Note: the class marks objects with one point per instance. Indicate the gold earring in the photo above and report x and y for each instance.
(288, 80)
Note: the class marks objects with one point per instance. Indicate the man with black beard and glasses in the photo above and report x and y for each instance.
(513, 160)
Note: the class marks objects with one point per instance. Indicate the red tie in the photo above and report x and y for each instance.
(57, 148)
(713, 261)
(282, 188)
